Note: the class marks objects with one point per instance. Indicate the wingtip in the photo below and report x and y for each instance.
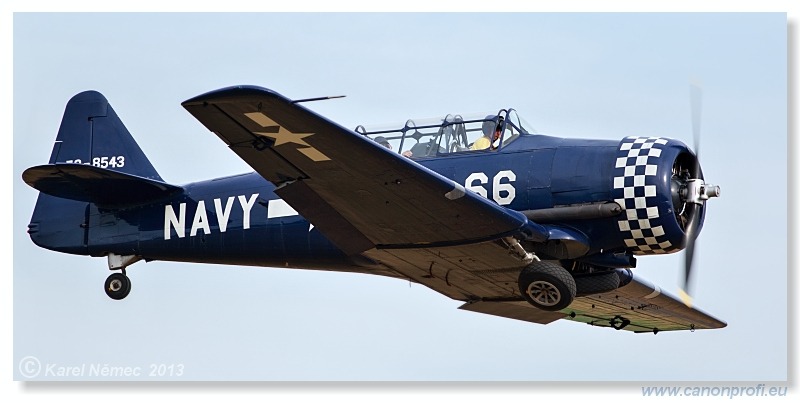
(685, 298)
(236, 91)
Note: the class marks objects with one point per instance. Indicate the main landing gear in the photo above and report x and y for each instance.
(547, 285)
(118, 285)
(550, 287)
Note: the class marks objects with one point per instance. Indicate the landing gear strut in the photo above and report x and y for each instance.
(118, 285)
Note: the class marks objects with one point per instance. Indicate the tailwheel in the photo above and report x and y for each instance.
(547, 286)
(118, 286)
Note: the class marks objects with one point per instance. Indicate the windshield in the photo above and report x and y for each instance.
(434, 137)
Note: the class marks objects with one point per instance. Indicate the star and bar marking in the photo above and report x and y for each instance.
(284, 136)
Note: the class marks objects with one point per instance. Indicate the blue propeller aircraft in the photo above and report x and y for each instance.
(480, 209)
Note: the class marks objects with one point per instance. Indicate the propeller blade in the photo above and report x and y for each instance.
(696, 100)
(687, 265)
(691, 235)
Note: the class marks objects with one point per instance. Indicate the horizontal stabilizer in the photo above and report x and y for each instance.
(92, 184)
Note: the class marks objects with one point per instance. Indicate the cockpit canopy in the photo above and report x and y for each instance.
(433, 137)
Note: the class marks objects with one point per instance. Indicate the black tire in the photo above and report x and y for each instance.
(118, 286)
(596, 283)
(547, 286)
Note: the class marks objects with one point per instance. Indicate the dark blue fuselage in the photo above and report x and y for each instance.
(239, 220)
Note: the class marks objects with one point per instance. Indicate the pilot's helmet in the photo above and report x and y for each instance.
(489, 125)
(382, 141)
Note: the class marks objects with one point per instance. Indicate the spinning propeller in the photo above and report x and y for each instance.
(690, 192)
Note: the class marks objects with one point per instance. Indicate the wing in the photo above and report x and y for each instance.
(636, 306)
(639, 306)
(356, 192)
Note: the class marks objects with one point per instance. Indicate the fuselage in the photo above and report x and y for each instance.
(239, 219)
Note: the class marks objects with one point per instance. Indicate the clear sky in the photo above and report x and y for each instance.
(572, 75)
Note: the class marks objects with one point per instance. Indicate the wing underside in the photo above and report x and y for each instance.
(637, 306)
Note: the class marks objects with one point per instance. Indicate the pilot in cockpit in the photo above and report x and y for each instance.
(382, 141)
(491, 135)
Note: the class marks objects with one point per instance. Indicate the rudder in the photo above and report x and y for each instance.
(91, 133)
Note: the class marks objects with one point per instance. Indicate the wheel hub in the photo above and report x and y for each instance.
(544, 293)
(115, 285)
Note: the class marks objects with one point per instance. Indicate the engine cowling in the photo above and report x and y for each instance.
(660, 187)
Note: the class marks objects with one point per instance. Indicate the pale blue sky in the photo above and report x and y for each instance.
(572, 75)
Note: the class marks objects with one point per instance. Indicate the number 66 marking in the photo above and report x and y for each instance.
(497, 187)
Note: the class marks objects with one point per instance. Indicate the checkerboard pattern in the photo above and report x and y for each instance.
(635, 191)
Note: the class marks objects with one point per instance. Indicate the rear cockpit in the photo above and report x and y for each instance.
(435, 137)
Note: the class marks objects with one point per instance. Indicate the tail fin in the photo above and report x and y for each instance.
(91, 133)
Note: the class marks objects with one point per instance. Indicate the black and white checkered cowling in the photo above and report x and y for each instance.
(636, 181)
